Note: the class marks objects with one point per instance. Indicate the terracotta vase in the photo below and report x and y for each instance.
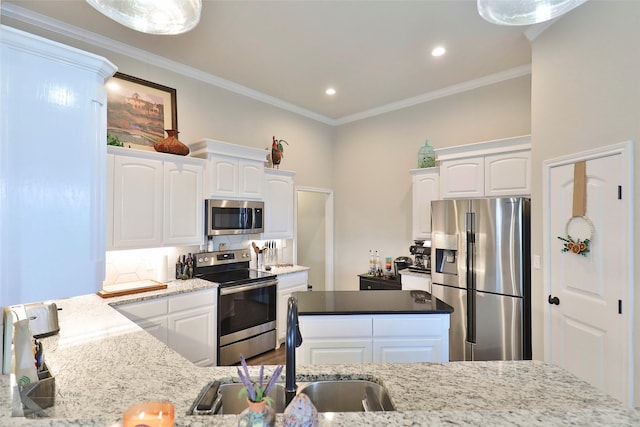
(257, 414)
(171, 144)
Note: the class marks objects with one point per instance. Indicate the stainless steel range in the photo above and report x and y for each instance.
(246, 304)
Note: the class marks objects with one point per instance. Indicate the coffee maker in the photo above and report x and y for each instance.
(421, 256)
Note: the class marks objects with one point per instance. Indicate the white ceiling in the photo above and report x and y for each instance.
(376, 54)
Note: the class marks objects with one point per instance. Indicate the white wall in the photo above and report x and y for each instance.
(586, 88)
(373, 157)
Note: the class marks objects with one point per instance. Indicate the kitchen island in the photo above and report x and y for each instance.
(373, 326)
(103, 363)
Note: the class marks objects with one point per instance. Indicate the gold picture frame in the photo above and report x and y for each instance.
(139, 111)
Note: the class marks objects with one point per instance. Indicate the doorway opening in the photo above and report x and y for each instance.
(313, 244)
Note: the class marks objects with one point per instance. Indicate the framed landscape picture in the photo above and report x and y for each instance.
(138, 111)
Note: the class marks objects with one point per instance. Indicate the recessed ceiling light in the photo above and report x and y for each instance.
(330, 91)
(438, 51)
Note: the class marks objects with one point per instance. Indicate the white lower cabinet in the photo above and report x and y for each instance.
(336, 352)
(186, 323)
(415, 281)
(337, 339)
(150, 315)
(411, 338)
(287, 285)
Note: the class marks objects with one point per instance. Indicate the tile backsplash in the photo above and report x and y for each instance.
(159, 263)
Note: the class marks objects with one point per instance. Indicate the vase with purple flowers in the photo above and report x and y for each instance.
(259, 411)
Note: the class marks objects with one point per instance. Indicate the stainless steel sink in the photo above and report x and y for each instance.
(347, 396)
(327, 396)
(232, 404)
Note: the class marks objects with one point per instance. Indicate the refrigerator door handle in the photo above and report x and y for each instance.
(471, 278)
(471, 317)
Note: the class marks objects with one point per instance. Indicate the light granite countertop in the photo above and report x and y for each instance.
(103, 363)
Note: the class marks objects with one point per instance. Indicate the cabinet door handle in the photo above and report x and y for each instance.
(554, 300)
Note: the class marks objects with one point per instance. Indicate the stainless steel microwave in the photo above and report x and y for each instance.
(233, 217)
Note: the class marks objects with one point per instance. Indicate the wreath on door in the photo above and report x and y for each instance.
(579, 246)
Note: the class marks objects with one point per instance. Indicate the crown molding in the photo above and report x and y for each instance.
(29, 17)
(47, 23)
(440, 93)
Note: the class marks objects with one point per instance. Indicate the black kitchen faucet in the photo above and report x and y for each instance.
(293, 340)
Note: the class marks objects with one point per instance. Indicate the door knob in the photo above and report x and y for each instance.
(554, 300)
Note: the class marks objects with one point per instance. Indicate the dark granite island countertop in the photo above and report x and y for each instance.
(369, 302)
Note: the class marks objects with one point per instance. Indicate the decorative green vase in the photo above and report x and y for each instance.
(426, 156)
(258, 414)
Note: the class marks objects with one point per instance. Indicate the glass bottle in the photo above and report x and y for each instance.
(426, 156)
(372, 265)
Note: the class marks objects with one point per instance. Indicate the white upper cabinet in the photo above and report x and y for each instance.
(183, 203)
(223, 176)
(251, 176)
(462, 178)
(52, 168)
(157, 199)
(508, 174)
(426, 187)
(278, 204)
(233, 171)
(486, 169)
(137, 194)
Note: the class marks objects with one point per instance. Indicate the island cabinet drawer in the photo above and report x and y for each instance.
(144, 309)
(335, 326)
(410, 326)
(327, 352)
(409, 350)
(192, 300)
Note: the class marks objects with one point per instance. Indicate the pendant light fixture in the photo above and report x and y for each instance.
(524, 12)
(152, 16)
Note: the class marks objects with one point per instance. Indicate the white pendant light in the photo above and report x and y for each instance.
(524, 12)
(152, 16)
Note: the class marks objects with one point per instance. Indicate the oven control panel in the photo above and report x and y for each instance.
(204, 259)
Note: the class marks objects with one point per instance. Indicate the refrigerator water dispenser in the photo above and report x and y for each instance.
(446, 253)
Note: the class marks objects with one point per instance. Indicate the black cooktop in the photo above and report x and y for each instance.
(236, 277)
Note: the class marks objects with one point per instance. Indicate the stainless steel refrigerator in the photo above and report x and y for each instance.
(481, 267)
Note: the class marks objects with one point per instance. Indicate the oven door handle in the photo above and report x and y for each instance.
(237, 289)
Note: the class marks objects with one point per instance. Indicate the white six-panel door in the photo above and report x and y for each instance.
(589, 331)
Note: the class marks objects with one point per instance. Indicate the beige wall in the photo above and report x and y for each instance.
(310, 236)
(206, 111)
(373, 157)
(585, 94)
